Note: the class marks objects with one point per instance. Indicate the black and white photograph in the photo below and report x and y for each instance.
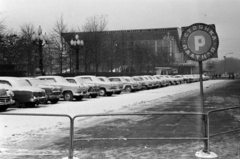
(119, 79)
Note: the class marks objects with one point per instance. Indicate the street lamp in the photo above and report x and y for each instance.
(225, 56)
(40, 40)
(77, 44)
(168, 40)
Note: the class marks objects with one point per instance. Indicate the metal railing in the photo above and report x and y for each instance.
(206, 124)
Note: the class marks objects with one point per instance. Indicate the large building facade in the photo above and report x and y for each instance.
(163, 43)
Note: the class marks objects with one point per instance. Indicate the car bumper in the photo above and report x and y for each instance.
(9, 102)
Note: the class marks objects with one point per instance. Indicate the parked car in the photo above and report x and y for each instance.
(146, 84)
(205, 77)
(139, 85)
(163, 81)
(24, 93)
(119, 84)
(69, 90)
(93, 89)
(105, 88)
(128, 86)
(155, 84)
(6, 99)
(179, 78)
(53, 92)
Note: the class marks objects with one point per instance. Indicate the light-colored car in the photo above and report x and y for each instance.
(53, 92)
(69, 90)
(119, 84)
(6, 99)
(179, 78)
(146, 84)
(163, 81)
(105, 88)
(155, 84)
(139, 85)
(93, 89)
(128, 86)
(25, 95)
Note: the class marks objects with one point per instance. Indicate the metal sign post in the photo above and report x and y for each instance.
(199, 42)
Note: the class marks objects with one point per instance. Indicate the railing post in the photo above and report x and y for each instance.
(71, 149)
(205, 153)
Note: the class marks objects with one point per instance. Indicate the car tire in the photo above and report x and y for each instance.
(118, 92)
(109, 94)
(102, 92)
(30, 104)
(94, 96)
(43, 101)
(17, 104)
(54, 101)
(128, 89)
(79, 98)
(3, 108)
(68, 96)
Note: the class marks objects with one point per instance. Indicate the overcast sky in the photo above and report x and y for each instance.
(131, 14)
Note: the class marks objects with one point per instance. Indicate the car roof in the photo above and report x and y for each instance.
(47, 76)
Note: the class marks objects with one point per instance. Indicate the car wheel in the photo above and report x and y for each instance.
(68, 96)
(94, 96)
(30, 104)
(102, 92)
(16, 104)
(43, 101)
(54, 101)
(109, 93)
(118, 92)
(128, 89)
(79, 98)
(3, 108)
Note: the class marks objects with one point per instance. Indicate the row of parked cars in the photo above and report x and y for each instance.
(31, 91)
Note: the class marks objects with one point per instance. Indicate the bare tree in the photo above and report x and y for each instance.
(94, 39)
(58, 41)
(27, 30)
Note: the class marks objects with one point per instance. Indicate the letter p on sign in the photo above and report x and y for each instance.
(199, 42)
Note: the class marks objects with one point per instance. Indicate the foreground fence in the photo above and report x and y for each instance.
(206, 127)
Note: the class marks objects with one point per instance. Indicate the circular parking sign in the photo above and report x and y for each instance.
(199, 42)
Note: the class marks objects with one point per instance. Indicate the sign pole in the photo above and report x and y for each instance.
(204, 121)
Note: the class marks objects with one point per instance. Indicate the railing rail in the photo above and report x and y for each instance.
(206, 136)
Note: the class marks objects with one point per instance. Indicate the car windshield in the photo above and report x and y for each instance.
(36, 81)
(61, 79)
(21, 83)
(71, 80)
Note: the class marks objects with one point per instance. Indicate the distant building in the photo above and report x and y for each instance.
(160, 41)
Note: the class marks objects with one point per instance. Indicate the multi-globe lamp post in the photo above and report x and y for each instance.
(77, 44)
(40, 40)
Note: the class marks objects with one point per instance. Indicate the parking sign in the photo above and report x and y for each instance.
(199, 42)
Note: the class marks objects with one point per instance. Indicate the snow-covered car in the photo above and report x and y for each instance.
(53, 92)
(128, 86)
(105, 88)
(146, 84)
(69, 90)
(93, 89)
(139, 85)
(6, 99)
(163, 81)
(24, 93)
(205, 77)
(179, 78)
(155, 83)
(119, 84)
